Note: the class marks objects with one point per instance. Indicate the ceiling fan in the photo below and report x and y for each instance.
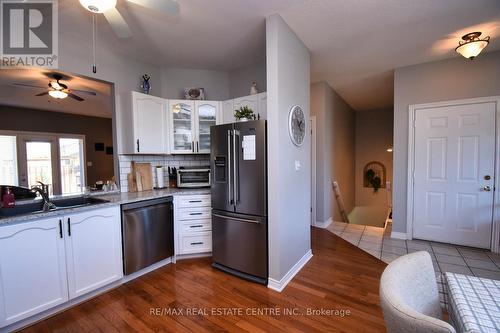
(116, 20)
(58, 90)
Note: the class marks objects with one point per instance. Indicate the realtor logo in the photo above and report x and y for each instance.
(28, 35)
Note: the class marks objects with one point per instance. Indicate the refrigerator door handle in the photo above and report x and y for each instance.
(236, 169)
(236, 218)
(229, 187)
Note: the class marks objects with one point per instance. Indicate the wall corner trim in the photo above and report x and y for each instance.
(281, 284)
(399, 235)
(323, 224)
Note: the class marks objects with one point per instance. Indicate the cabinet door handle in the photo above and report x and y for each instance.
(194, 201)
(195, 213)
(60, 229)
(197, 243)
(197, 146)
(69, 227)
(196, 226)
(138, 150)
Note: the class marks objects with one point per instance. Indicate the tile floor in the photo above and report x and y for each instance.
(445, 257)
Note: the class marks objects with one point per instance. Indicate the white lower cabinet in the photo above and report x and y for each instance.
(32, 269)
(47, 262)
(193, 216)
(93, 250)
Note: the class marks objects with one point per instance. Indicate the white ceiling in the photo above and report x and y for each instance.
(213, 34)
(356, 44)
(97, 106)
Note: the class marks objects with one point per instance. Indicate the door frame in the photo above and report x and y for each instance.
(412, 109)
(312, 120)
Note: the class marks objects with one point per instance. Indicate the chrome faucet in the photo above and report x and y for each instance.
(43, 190)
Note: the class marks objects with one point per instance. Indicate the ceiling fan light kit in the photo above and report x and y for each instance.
(59, 94)
(471, 45)
(98, 6)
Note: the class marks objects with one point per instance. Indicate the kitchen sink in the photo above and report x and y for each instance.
(60, 204)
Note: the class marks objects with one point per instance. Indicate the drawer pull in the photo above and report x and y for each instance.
(194, 201)
(197, 243)
(195, 213)
(196, 226)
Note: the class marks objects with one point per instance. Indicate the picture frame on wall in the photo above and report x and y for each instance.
(194, 93)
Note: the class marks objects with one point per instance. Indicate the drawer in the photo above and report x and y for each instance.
(199, 243)
(194, 201)
(200, 213)
(191, 226)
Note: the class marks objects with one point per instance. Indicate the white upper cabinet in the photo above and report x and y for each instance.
(190, 123)
(149, 124)
(228, 112)
(93, 249)
(206, 116)
(32, 269)
(182, 127)
(262, 110)
(258, 103)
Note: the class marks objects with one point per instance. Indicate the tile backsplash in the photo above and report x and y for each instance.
(156, 160)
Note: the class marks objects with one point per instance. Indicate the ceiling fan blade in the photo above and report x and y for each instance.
(78, 98)
(42, 94)
(117, 23)
(28, 85)
(85, 92)
(170, 7)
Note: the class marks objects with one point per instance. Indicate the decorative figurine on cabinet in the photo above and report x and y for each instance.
(146, 84)
(253, 88)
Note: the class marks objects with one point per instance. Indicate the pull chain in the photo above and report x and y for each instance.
(94, 66)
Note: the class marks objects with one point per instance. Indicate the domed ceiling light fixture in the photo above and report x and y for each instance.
(472, 45)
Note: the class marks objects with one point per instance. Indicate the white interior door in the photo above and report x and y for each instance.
(454, 174)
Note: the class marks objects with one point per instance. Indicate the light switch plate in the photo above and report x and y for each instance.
(297, 165)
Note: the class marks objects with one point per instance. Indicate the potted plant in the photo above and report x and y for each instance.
(244, 114)
(373, 180)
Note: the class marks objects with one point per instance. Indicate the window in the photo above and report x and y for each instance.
(39, 164)
(71, 160)
(8, 160)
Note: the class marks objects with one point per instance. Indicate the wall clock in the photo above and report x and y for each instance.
(297, 125)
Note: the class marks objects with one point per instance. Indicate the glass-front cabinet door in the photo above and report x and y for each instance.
(182, 129)
(206, 116)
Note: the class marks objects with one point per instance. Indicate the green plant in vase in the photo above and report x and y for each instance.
(373, 180)
(244, 113)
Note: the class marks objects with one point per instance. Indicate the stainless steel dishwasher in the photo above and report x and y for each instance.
(148, 233)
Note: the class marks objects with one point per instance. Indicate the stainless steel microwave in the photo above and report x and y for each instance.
(193, 177)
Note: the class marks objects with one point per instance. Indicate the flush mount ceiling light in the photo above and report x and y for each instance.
(390, 149)
(98, 6)
(472, 45)
(59, 94)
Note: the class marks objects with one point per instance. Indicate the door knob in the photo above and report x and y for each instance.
(486, 188)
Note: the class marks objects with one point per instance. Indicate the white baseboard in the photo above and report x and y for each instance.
(398, 235)
(281, 284)
(324, 224)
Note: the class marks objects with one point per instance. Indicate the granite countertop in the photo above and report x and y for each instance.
(113, 198)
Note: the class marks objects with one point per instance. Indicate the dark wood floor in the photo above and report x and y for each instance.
(338, 277)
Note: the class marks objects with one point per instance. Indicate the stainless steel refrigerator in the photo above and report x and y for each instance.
(239, 199)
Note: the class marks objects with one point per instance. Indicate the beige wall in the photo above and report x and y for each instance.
(373, 136)
(450, 79)
(335, 150)
(289, 193)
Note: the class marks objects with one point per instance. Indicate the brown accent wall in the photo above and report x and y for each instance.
(95, 130)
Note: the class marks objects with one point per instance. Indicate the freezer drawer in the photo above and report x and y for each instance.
(240, 244)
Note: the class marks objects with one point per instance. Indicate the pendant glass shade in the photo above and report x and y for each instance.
(59, 94)
(472, 45)
(98, 6)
